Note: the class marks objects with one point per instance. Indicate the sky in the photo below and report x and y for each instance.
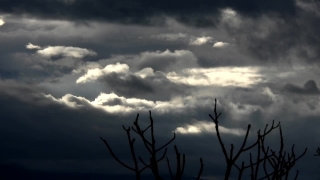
(72, 71)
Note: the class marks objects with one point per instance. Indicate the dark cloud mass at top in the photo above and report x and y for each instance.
(142, 11)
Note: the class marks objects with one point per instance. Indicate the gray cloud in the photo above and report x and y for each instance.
(164, 61)
(128, 85)
(54, 80)
(309, 88)
(170, 37)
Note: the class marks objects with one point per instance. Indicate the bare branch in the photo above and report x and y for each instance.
(201, 169)
(114, 156)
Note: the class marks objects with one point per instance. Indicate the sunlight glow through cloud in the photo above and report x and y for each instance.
(2, 22)
(223, 76)
(201, 40)
(208, 127)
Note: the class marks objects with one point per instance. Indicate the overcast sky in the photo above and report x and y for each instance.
(74, 70)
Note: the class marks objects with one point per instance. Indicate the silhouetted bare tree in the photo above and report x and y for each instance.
(151, 147)
(281, 163)
(179, 171)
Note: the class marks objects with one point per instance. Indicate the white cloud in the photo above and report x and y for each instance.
(2, 22)
(166, 53)
(145, 72)
(86, 66)
(229, 12)
(96, 73)
(104, 98)
(200, 41)
(110, 103)
(220, 44)
(188, 130)
(66, 51)
(230, 17)
(113, 103)
(32, 46)
(221, 76)
(208, 127)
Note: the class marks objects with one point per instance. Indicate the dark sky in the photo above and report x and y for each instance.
(74, 70)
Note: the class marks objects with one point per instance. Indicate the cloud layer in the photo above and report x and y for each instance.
(74, 70)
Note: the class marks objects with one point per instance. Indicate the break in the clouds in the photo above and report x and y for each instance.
(74, 70)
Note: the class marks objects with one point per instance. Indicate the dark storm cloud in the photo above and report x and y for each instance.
(47, 62)
(309, 88)
(141, 11)
(272, 38)
(157, 87)
(33, 66)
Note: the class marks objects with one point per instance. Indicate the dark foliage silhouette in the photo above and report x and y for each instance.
(275, 165)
